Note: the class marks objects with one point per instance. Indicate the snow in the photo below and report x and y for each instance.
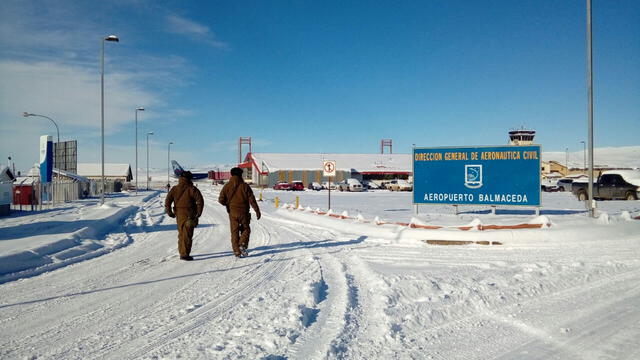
(619, 156)
(90, 281)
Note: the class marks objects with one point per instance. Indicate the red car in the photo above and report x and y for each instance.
(282, 186)
(297, 185)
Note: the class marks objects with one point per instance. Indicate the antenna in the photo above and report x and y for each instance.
(386, 143)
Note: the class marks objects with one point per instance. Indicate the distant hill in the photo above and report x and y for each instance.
(624, 156)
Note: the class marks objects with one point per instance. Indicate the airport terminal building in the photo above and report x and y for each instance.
(267, 169)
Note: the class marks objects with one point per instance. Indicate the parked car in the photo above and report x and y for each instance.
(315, 186)
(282, 186)
(370, 185)
(611, 185)
(297, 186)
(549, 188)
(549, 184)
(350, 185)
(325, 185)
(399, 185)
(564, 184)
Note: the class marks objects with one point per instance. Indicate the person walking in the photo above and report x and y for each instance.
(187, 208)
(237, 196)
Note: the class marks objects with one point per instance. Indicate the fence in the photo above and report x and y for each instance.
(46, 195)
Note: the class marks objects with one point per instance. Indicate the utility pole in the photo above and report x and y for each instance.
(592, 210)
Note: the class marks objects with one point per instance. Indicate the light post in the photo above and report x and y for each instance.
(592, 210)
(26, 114)
(112, 38)
(138, 109)
(566, 159)
(584, 155)
(169, 166)
(149, 133)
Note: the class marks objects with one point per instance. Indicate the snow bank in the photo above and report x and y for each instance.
(65, 243)
(512, 230)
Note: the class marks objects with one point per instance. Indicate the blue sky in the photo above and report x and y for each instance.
(313, 76)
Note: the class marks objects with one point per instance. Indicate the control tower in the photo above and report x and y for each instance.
(521, 137)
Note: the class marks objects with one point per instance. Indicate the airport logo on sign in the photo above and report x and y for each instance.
(473, 176)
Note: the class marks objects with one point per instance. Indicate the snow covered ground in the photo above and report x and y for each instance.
(85, 281)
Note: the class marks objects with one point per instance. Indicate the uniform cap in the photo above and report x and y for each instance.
(187, 175)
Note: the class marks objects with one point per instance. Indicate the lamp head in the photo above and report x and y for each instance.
(140, 109)
(171, 143)
(112, 38)
(150, 133)
(26, 114)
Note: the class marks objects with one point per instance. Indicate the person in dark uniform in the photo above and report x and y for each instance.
(237, 196)
(187, 209)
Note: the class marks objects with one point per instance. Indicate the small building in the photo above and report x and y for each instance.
(6, 187)
(555, 166)
(112, 172)
(267, 169)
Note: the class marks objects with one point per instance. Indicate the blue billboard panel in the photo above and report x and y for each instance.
(491, 175)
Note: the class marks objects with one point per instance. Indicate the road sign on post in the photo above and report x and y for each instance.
(329, 169)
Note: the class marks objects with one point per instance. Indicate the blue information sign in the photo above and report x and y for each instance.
(491, 175)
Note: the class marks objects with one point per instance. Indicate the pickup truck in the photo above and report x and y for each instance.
(613, 184)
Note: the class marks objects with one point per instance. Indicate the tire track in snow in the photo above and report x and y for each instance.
(244, 285)
(492, 314)
(344, 314)
(203, 315)
(73, 326)
(330, 306)
(351, 322)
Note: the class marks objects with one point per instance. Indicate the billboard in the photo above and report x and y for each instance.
(486, 175)
(46, 158)
(65, 156)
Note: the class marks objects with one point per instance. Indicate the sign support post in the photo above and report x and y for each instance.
(329, 208)
(329, 170)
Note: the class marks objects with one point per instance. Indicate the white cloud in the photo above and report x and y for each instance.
(70, 94)
(180, 25)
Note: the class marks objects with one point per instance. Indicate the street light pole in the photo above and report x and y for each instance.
(115, 39)
(592, 210)
(53, 187)
(169, 166)
(149, 133)
(138, 109)
(584, 155)
(26, 114)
